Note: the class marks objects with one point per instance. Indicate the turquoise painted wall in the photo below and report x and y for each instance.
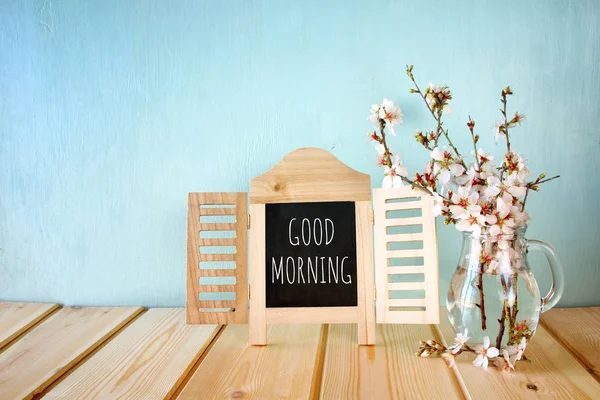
(112, 111)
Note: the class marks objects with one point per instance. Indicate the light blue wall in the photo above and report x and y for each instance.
(112, 111)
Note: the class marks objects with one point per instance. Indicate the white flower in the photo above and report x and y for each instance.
(485, 159)
(493, 187)
(445, 166)
(515, 184)
(500, 129)
(387, 111)
(380, 149)
(505, 364)
(504, 224)
(393, 175)
(484, 352)
(374, 117)
(459, 341)
(471, 222)
(438, 205)
(465, 202)
(520, 217)
(516, 352)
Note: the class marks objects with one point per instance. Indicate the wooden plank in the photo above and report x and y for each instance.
(54, 346)
(388, 370)
(217, 211)
(217, 199)
(223, 226)
(216, 303)
(218, 257)
(552, 373)
(310, 174)
(409, 253)
(16, 318)
(403, 205)
(217, 242)
(403, 221)
(578, 329)
(365, 276)
(406, 286)
(217, 288)
(406, 303)
(304, 315)
(148, 360)
(409, 269)
(405, 237)
(211, 273)
(257, 319)
(234, 369)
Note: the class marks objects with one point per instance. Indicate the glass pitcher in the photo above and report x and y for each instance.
(493, 292)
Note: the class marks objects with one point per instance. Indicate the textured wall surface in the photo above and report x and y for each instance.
(112, 111)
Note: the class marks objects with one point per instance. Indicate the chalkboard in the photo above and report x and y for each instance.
(311, 254)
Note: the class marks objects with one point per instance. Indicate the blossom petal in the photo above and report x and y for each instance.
(486, 342)
(437, 154)
(387, 182)
(397, 182)
(402, 170)
(492, 352)
(457, 169)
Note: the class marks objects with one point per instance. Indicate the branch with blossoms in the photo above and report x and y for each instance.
(385, 117)
(480, 198)
(504, 360)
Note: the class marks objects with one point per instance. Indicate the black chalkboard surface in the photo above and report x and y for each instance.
(310, 254)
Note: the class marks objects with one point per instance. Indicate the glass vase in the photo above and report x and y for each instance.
(493, 292)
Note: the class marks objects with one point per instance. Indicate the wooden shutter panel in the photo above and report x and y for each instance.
(217, 277)
(406, 258)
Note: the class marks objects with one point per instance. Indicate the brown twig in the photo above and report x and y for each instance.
(531, 185)
(515, 308)
(481, 298)
(504, 101)
(438, 119)
(471, 126)
(388, 162)
(503, 315)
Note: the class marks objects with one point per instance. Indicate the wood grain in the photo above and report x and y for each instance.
(552, 373)
(16, 318)
(54, 346)
(578, 329)
(365, 274)
(257, 319)
(233, 369)
(312, 315)
(388, 370)
(429, 252)
(195, 308)
(147, 360)
(310, 174)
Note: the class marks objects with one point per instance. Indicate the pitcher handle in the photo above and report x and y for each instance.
(556, 272)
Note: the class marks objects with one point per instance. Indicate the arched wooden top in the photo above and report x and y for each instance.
(310, 174)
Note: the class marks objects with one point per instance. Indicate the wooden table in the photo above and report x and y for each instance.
(129, 352)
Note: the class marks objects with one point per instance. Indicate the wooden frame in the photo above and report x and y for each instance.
(311, 175)
(217, 311)
(411, 310)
